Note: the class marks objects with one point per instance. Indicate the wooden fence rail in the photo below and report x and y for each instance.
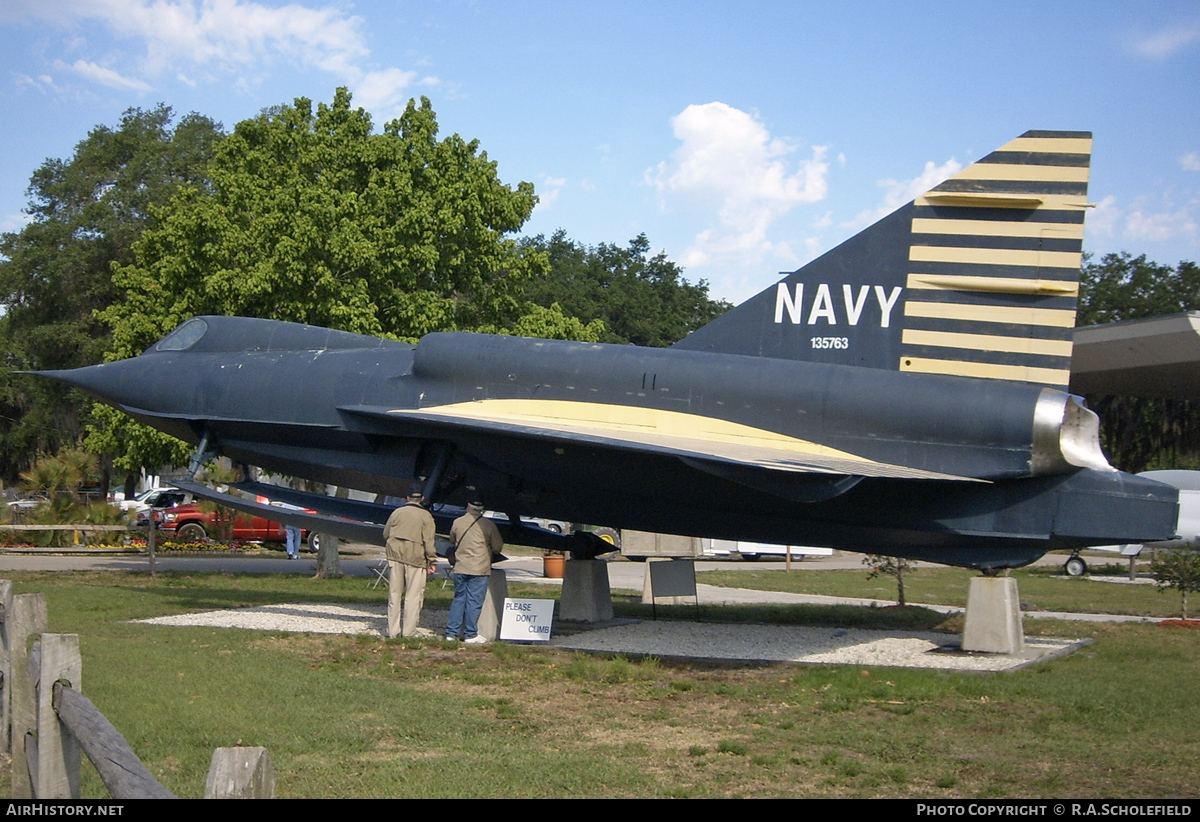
(49, 722)
(123, 773)
(149, 530)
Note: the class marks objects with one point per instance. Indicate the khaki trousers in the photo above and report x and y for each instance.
(408, 584)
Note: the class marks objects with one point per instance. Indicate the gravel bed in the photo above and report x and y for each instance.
(298, 617)
(688, 640)
(817, 646)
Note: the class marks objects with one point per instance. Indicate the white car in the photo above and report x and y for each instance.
(752, 551)
(165, 497)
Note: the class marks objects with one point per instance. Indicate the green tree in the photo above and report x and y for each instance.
(1141, 432)
(1124, 287)
(85, 215)
(1177, 568)
(642, 299)
(309, 216)
(891, 567)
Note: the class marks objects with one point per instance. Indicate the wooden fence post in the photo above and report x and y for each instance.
(58, 750)
(240, 773)
(6, 604)
(28, 619)
(151, 532)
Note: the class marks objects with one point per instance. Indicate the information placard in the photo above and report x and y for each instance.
(527, 619)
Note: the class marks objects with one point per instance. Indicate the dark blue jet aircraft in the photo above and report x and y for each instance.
(903, 394)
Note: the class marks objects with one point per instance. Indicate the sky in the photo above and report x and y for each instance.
(742, 138)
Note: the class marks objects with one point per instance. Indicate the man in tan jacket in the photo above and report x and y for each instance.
(476, 541)
(408, 539)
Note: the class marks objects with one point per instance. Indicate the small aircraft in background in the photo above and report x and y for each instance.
(903, 394)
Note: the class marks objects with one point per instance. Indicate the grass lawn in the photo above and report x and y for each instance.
(364, 717)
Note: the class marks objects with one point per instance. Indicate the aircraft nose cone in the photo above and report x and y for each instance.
(118, 383)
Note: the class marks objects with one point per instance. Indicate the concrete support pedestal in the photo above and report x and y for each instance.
(493, 606)
(586, 596)
(993, 622)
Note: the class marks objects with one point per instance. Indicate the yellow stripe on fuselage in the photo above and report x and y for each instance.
(987, 342)
(569, 415)
(1032, 258)
(1050, 145)
(686, 434)
(991, 371)
(997, 228)
(1018, 315)
(1024, 173)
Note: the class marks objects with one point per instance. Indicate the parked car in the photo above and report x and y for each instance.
(28, 503)
(753, 551)
(165, 497)
(20, 506)
(191, 524)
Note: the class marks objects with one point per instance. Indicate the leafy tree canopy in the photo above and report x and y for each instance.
(310, 216)
(1124, 287)
(641, 299)
(85, 215)
(1142, 432)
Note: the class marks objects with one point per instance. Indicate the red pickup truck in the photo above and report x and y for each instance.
(190, 524)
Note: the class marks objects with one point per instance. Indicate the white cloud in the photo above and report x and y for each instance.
(231, 36)
(1168, 42)
(1190, 161)
(729, 162)
(549, 190)
(1151, 219)
(900, 192)
(1102, 220)
(103, 76)
(383, 89)
(1161, 226)
(43, 82)
(14, 222)
(231, 32)
(812, 248)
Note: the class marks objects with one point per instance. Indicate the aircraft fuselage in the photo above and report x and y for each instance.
(968, 472)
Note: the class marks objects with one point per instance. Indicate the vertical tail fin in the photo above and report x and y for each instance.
(977, 277)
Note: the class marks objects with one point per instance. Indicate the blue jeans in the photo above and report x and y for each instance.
(469, 591)
(293, 540)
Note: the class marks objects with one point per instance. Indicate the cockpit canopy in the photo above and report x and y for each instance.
(217, 333)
